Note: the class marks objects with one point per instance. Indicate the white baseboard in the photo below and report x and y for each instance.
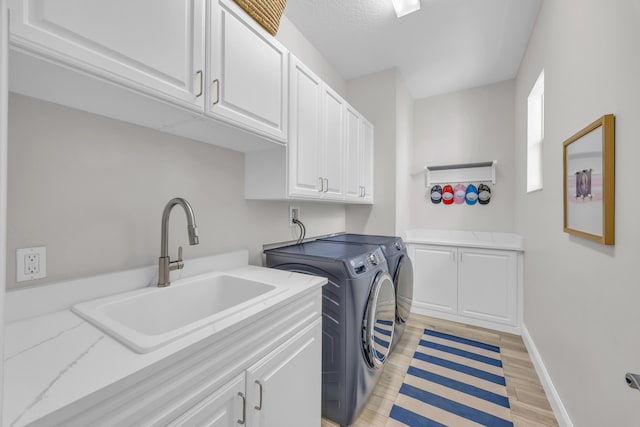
(420, 309)
(552, 394)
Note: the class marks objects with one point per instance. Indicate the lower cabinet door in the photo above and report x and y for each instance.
(487, 288)
(284, 388)
(224, 408)
(435, 285)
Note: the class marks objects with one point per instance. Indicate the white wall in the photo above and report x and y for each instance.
(374, 96)
(92, 191)
(404, 153)
(4, 88)
(472, 125)
(581, 298)
(294, 40)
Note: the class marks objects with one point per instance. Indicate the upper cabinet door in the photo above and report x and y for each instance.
(353, 155)
(332, 161)
(155, 46)
(367, 146)
(248, 77)
(304, 150)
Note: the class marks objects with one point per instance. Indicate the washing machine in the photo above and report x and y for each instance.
(400, 269)
(358, 318)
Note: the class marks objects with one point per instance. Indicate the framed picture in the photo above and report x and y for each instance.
(589, 181)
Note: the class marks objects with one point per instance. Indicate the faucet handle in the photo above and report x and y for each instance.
(177, 264)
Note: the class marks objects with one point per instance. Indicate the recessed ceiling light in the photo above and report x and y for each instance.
(404, 7)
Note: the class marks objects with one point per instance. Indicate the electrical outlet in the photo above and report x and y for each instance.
(31, 263)
(294, 213)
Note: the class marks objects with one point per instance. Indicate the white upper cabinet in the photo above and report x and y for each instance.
(329, 155)
(154, 46)
(332, 158)
(366, 167)
(353, 154)
(359, 157)
(315, 153)
(305, 138)
(247, 73)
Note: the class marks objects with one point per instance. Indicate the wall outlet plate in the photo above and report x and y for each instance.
(294, 213)
(31, 263)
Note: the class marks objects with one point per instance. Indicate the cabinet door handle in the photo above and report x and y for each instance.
(326, 186)
(362, 191)
(321, 184)
(454, 256)
(217, 82)
(201, 84)
(244, 408)
(259, 406)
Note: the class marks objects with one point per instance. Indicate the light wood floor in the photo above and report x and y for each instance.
(529, 404)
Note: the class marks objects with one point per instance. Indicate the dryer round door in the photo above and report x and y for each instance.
(404, 288)
(379, 320)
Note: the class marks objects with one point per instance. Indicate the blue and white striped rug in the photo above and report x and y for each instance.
(453, 382)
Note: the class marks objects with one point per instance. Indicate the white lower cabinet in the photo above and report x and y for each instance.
(221, 409)
(264, 373)
(472, 285)
(435, 278)
(487, 285)
(283, 389)
(280, 390)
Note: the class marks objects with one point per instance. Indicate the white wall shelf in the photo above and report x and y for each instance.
(463, 172)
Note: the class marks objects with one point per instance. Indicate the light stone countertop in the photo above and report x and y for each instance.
(58, 359)
(472, 239)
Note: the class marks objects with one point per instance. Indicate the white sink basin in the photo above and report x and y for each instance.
(149, 318)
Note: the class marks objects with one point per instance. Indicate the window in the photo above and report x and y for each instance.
(535, 134)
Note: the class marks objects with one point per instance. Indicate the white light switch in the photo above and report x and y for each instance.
(31, 263)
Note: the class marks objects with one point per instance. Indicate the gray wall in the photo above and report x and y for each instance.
(404, 153)
(374, 96)
(290, 36)
(581, 298)
(92, 190)
(473, 125)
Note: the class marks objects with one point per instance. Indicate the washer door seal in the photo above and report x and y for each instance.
(379, 320)
(404, 288)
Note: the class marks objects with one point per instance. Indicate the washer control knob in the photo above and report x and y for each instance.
(398, 246)
(372, 259)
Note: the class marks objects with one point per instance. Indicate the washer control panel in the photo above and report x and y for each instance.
(366, 262)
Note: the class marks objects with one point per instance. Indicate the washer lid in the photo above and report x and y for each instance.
(379, 320)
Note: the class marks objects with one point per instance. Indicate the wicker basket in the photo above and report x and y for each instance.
(265, 12)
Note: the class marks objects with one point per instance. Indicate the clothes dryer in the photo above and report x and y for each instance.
(400, 269)
(358, 317)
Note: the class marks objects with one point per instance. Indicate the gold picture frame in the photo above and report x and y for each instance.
(589, 181)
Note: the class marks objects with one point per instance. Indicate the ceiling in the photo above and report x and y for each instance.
(448, 45)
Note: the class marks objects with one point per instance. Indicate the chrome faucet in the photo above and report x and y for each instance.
(165, 265)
